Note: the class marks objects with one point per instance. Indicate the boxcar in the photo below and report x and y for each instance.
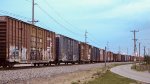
(109, 55)
(21, 42)
(85, 52)
(117, 57)
(95, 57)
(102, 55)
(132, 58)
(122, 58)
(67, 49)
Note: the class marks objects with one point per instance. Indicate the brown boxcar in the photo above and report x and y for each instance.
(67, 49)
(122, 58)
(125, 58)
(117, 57)
(95, 57)
(109, 56)
(102, 55)
(22, 42)
(132, 58)
(128, 58)
(84, 52)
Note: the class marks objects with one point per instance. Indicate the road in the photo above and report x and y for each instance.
(126, 71)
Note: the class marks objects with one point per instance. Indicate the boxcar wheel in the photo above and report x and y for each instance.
(11, 65)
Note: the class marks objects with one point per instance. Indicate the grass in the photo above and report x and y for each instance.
(111, 78)
(141, 67)
(74, 83)
(104, 76)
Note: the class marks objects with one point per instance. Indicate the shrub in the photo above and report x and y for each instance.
(147, 59)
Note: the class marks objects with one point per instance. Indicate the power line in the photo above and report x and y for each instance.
(58, 14)
(61, 18)
(55, 19)
(48, 16)
(14, 15)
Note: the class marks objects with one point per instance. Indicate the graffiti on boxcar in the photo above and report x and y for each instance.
(63, 57)
(48, 53)
(89, 54)
(13, 52)
(23, 56)
(49, 49)
(35, 54)
(75, 58)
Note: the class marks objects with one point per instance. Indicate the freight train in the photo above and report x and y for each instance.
(21, 42)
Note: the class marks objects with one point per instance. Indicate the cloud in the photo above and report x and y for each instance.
(131, 9)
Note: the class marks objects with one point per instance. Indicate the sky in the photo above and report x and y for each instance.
(108, 22)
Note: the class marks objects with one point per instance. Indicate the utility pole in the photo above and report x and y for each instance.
(119, 51)
(148, 51)
(127, 51)
(105, 55)
(33, 19)
(135, 48)
(86, 36)
(107, 46)
(134, 39)
(33, 12)
(144, 51)
(139, 52)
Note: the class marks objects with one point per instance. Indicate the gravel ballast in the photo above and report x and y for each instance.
(27, 74)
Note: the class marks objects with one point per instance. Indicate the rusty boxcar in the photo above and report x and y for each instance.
(85, 52)
(108, 56)
(111, 57)
(102, 55)
(122, 58)
(95, 57)
(117, 57)
(21, 42)
(67, 49)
